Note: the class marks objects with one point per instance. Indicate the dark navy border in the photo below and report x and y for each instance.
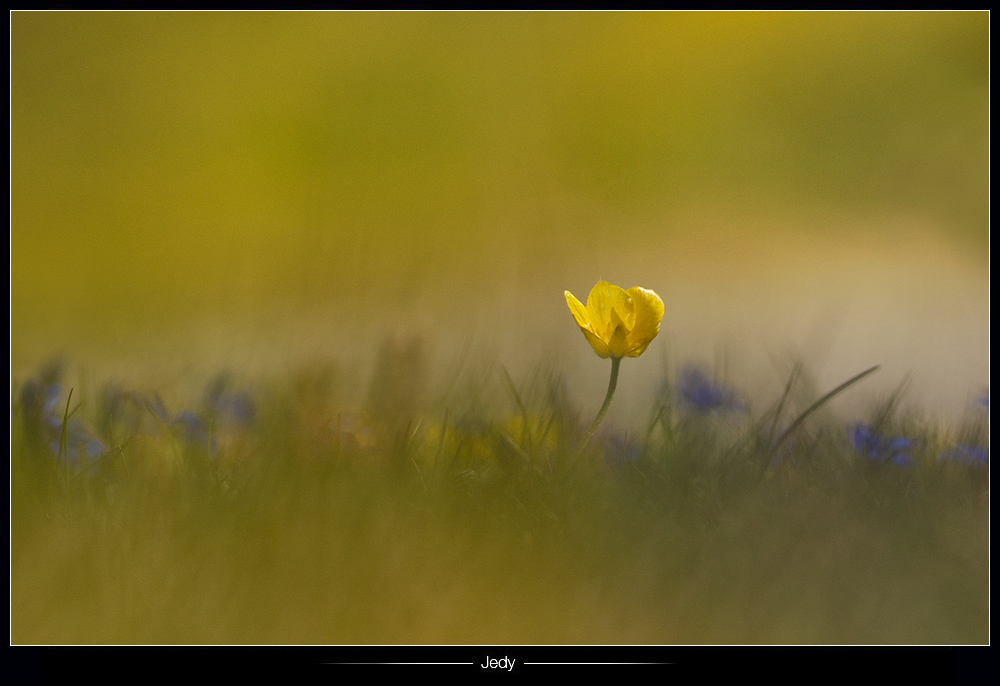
(776, 665)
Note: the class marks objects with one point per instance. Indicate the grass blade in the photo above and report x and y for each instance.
(525, 432)
(818, 404)
(781, 404)
(64, 433)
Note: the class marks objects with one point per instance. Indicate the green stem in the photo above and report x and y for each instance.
(615, 361)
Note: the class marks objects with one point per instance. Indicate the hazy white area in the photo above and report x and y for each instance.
(743, 308)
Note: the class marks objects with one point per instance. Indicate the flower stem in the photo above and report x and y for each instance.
(615, 361)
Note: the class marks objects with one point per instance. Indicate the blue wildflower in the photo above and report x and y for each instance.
(40, 403)
(703, 395)
(967, 454)
(190, 427)
(865, 441)
(44, 416)
(51, 407)
(82, 449)
(192, 430)
(33, 400)
(221, 412)
(228, 407)
(879, 448)
(619, 451)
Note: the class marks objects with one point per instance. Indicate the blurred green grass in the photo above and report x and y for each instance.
(475, 521)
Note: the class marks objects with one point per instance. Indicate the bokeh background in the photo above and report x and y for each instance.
(197, 190)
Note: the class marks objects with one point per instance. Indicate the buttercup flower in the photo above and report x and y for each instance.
(618, 323)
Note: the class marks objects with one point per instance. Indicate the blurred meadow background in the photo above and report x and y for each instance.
(304, 275)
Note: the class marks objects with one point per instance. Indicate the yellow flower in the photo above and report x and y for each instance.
(616, 322)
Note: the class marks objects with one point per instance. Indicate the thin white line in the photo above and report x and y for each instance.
(472, 663)
(597, 663)
(398, 663)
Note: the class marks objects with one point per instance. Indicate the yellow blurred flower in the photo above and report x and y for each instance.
(618, 323)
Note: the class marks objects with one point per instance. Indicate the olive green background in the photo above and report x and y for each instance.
(245, 187)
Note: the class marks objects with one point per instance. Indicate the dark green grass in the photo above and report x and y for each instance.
(477, 521)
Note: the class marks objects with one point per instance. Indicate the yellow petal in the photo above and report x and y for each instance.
(599, 346)
(618, 343)
(605, 297)
(578, 310)
(648, 315)
(582, 317)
